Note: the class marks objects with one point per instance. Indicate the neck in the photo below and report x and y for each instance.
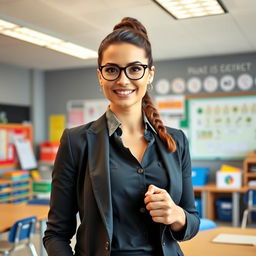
(131, 119)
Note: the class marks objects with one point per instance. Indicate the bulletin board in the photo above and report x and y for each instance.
(8, 132)
(222, 127)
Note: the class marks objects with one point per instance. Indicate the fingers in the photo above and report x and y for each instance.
(153, 190)
(156, 194)
(161, 216)
(154, 198)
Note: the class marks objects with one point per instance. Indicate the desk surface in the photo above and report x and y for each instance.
(9, 213)
(202, 244)
(213, 188)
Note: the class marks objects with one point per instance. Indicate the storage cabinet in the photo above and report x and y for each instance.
(17, 191)
(249, 166)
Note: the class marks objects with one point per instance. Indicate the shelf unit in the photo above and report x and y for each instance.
(15, 191)
(249, 161)
(209, 194)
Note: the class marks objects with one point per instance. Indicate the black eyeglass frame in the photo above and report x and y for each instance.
(124, 69)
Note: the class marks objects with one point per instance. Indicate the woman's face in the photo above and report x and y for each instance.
(124, 93)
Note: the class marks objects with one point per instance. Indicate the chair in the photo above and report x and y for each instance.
(20, 235)
(251, 207)
(206, 224)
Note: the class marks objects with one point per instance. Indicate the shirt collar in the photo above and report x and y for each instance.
(113, 123)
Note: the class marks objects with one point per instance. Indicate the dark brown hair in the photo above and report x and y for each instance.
(131, 31)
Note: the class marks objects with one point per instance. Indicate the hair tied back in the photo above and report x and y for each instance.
(129, 23)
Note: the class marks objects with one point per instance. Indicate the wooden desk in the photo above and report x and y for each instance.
(208, 194)
(202, 244)
(10, 213)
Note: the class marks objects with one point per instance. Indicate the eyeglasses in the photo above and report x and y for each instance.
(111, 72)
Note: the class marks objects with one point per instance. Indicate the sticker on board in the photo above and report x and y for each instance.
(245, 82)
(194, 85)
(162, 86)
(210, 84)
(227, 83)
(178, 85)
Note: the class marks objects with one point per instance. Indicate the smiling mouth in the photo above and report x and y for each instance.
(124, 92)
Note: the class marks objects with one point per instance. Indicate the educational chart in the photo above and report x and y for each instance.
(223, 127)
(84, 111)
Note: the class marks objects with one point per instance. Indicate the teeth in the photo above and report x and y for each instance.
(124, 92)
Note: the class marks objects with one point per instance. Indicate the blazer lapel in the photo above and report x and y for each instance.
(170, 161)
(172, 165)
(98, 160)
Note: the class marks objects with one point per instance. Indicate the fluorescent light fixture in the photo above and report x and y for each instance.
(184, 9)
(23, 32)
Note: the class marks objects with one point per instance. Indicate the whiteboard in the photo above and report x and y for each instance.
(223, 127)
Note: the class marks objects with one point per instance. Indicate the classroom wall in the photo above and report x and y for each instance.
(25, 87)
(64, 85)
(83, 84)
(38, 106)
(217, 66)
(14, 85)
(61, 86)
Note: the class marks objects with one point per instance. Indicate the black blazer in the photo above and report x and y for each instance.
(81, 183)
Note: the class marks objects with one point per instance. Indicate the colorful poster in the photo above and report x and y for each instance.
(83, 111)
(173, 104)
(76, 115)
(57, 126)
(94, 109)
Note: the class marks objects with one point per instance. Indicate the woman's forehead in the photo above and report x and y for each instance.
(124, 52)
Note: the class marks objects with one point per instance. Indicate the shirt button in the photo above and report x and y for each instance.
(140, 171)
(142, 210)
(163, 243)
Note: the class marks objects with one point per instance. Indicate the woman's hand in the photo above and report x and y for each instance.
(162, 208)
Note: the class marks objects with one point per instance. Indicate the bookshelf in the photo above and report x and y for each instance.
(15, 191)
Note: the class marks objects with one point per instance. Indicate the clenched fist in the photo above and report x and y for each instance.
(162, 208)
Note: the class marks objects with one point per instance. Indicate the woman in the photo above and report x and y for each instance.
(127, 175)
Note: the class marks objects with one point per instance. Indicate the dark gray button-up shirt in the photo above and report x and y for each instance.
(134, 232)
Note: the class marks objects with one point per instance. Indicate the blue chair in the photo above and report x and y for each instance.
(206, 224)
(20, 235)
(251, 206)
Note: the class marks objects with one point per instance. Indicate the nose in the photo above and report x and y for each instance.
(123, 79)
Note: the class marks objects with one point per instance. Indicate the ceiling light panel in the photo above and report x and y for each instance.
(28, 34)
(184, 9)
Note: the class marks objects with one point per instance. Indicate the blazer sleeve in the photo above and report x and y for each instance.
(187, 201)
(61, 224)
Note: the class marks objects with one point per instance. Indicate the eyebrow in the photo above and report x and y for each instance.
(130, 63)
